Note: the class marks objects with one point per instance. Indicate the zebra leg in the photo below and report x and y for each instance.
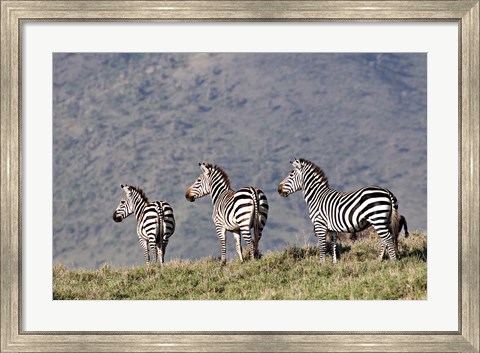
(382, 250)
(256, 246)
(248, 239)
(161, 245)
(153, 249)
(333, 238)
(321, 234)
(158, 251)
(144, 244)
(238, 245)
(257, 251)
(388, 244)
(391, 248)
(152, 244)
(223, 247)
(386, 238)
(164, 248)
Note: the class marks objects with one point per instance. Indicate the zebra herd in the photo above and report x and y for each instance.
(239, 211)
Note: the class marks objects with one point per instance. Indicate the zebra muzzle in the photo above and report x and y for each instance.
(116, 217)
(281, 191)
(188, 196)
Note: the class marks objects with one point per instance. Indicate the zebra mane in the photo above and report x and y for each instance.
(141, 193)
(316, 169)
(221, 171)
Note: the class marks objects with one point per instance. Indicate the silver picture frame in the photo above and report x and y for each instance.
(15, 13)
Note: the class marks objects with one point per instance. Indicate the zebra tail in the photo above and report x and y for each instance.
(256, 222)
(394, 219)
(160, 222)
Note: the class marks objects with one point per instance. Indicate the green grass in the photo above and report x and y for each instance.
(294, 273)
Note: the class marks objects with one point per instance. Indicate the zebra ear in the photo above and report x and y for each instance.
(296, 164)
(203, 168)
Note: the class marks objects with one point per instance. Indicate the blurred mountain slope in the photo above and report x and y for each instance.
(148, 119)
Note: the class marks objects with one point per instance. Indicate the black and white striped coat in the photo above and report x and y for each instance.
(155, 221)
(235, 211)
(335, 211)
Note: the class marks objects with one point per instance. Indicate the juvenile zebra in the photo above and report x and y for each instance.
(155, 221)
(348, 212)
(235, 211)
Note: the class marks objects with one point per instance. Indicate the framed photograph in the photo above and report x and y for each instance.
(355, 87)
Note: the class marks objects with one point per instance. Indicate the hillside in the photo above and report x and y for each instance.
(148, 119)
(293, 273)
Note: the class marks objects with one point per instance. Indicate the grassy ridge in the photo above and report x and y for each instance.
(294, 273)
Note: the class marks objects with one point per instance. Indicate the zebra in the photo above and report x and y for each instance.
(235, 211)
(348, 212)
(155, 221)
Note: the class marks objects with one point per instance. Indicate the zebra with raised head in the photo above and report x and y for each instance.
(336, 211)
(235, 211)
(155, 221)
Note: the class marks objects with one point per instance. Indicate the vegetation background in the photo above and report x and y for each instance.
(147, 119)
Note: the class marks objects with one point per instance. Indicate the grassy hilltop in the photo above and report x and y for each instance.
(293, 273)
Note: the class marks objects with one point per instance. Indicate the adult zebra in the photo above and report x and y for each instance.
(155, 221)
(235, 211)
(335, 211)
